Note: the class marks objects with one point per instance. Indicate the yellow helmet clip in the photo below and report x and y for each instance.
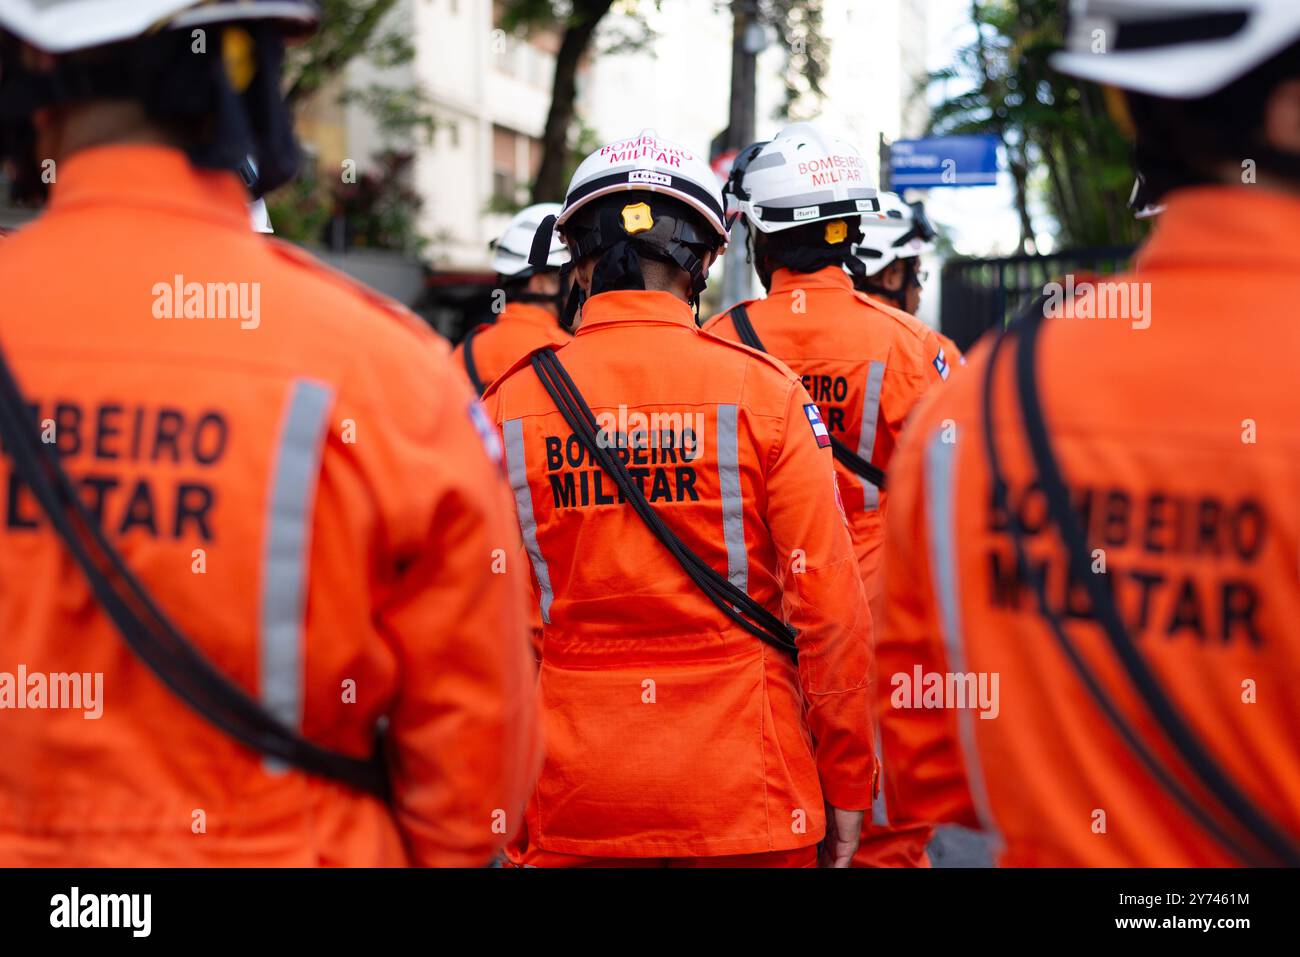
(837, 230)
(237, 54)
(637, 218)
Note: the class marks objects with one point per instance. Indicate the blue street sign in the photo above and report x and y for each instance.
(944, 161)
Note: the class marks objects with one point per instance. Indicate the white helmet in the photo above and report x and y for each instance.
(802, 177)
(645, 162)
(64, 26)
(510, 252)
(1179, 49)
(898, 230)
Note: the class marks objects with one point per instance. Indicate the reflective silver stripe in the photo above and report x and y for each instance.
(940, 497)
(867, 435)
(518, 472)
(733, 506)
(287, 551)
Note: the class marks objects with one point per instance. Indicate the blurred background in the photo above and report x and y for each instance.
(427, 122)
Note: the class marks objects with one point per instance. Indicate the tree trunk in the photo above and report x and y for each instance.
(550, 185)
(1018, 161)
(1067, 207)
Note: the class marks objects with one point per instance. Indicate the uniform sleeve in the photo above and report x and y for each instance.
(923, 771)
(826, 602)
(465, 729)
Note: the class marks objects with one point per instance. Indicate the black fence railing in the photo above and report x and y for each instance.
(978, 294)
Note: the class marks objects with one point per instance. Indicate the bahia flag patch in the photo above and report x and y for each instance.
(818, 426)
(487, 432)
(941, 365)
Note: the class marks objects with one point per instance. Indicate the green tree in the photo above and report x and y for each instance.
(1058, 136)
(375, 210)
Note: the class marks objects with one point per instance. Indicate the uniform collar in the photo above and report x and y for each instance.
(625, 306)
(1246, 226)
(829, 277)
(148, 176)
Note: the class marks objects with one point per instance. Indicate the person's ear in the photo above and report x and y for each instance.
(1282, 118)
(892, 276)
(544, 283)
(582, 273)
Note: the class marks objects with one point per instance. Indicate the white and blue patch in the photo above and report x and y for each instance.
(487, 432)
(818, 426)
(941, 365)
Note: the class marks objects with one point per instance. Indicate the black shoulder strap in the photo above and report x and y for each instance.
(843, 454)
(143, 625)
(467, 353)
(1252, 837)
(732, 601)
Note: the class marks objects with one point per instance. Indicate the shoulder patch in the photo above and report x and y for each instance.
(486, 432)
(814, 415)
(941, 365)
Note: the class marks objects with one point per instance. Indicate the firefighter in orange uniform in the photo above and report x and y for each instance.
(864, 363)
(893, 241)
(1091, 583)
(532, 299)
(675, 736)
(286, 464)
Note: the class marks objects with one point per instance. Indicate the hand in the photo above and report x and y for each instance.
(843, 830)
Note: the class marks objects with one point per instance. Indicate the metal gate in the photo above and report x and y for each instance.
(978, 294)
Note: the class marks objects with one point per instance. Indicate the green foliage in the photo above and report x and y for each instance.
(379, 210)
(798, 26)
(348, 30)
(1061, 143)
(300, 211)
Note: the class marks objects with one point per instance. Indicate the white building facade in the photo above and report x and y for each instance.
(490, 94)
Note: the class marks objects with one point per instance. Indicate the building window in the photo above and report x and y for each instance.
(505, 182)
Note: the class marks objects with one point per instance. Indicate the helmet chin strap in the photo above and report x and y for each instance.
(573, 301)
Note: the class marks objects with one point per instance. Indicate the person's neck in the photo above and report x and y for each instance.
(678, 290)
(87, 126)
(1232, 176)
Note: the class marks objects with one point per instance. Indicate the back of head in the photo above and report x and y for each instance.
(206, 75)
(802, 193)
(1196, 76)
(512, 249)
(648, 213)
(899, 232)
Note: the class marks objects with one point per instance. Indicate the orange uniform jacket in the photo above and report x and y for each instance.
(1175, 427)
(302, 489)
(495, 346)
(671, 732)
(865, 364)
